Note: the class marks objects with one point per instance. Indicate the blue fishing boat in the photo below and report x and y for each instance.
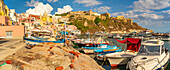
(102, 48)
(36, 40)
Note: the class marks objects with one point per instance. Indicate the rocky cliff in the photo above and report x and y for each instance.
(94, 23)
(108, 25)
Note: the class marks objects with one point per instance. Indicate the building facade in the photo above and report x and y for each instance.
(12, 32)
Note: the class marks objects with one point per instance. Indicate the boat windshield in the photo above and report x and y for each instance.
(149, 50)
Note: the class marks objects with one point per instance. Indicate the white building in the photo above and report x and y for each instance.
(13, 15)
(76, 32)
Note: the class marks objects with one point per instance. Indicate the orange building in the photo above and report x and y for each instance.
(4, 21)
(35, 16)
(12, 32)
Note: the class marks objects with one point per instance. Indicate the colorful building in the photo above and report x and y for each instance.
(12, 32)
(7, 30)
(4, 10)
(13, 15)
(4, 21)
(28, 22)
(71, 27)
(37, 17)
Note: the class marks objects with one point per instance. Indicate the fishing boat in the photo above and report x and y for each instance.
(151, 56)
(117, 36)
(102, 48)
(165, 38)
(90, 42)
(122, 58)
(36, 41)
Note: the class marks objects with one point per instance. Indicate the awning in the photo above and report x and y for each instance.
(132, 43)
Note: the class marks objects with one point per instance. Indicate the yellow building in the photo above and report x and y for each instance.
(45, 19)
(126, 20)
(4, 10)
(120, 17)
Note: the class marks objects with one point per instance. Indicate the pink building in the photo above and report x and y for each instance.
(4, 21)
(49, 27)
(71, 27)
(12, 32)
(26, 21)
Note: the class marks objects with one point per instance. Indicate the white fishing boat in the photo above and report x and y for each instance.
(152, 55)
(122, 58)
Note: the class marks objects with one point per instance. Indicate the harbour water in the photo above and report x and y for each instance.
(107, 67)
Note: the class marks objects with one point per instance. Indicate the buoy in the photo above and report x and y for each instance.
(9, 62)
(59, 68)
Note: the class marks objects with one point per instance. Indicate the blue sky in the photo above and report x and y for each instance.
(151, 14)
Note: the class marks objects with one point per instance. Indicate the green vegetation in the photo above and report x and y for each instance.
(61, 14)
(72, 16)
(80, 26)
(22, 24)
(61, 22)
(105, 24)
(87, 14)
(97, 20)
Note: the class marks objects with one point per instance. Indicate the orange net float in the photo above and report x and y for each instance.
(48, 50)
(77, 56)
(71, 66)
(59, 68)
(9, 62)
(72, 60)
(67, 42)
(72, 52)
(51, 47)
(65, 50)
(22, 66)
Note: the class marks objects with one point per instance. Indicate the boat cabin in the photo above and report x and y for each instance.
(152, 47)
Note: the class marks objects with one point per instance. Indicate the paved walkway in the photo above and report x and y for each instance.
(8, 47)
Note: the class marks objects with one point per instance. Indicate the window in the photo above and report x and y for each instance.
(149, 50)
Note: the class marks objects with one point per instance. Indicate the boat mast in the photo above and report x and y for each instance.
(65, 33)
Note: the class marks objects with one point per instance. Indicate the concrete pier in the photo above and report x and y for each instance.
(8, 47)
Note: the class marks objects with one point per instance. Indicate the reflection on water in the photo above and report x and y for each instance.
(167, 45)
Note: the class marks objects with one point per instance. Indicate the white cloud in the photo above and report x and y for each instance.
(151, 4)
(151, 16)
(65, 9)
(143, 12)
(88, 2)
(103, 9)
(52, 0)
(36, 2)
(32, 3)
(166, 11)
(40, 9)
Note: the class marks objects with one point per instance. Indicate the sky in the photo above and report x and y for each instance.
(150, 14)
